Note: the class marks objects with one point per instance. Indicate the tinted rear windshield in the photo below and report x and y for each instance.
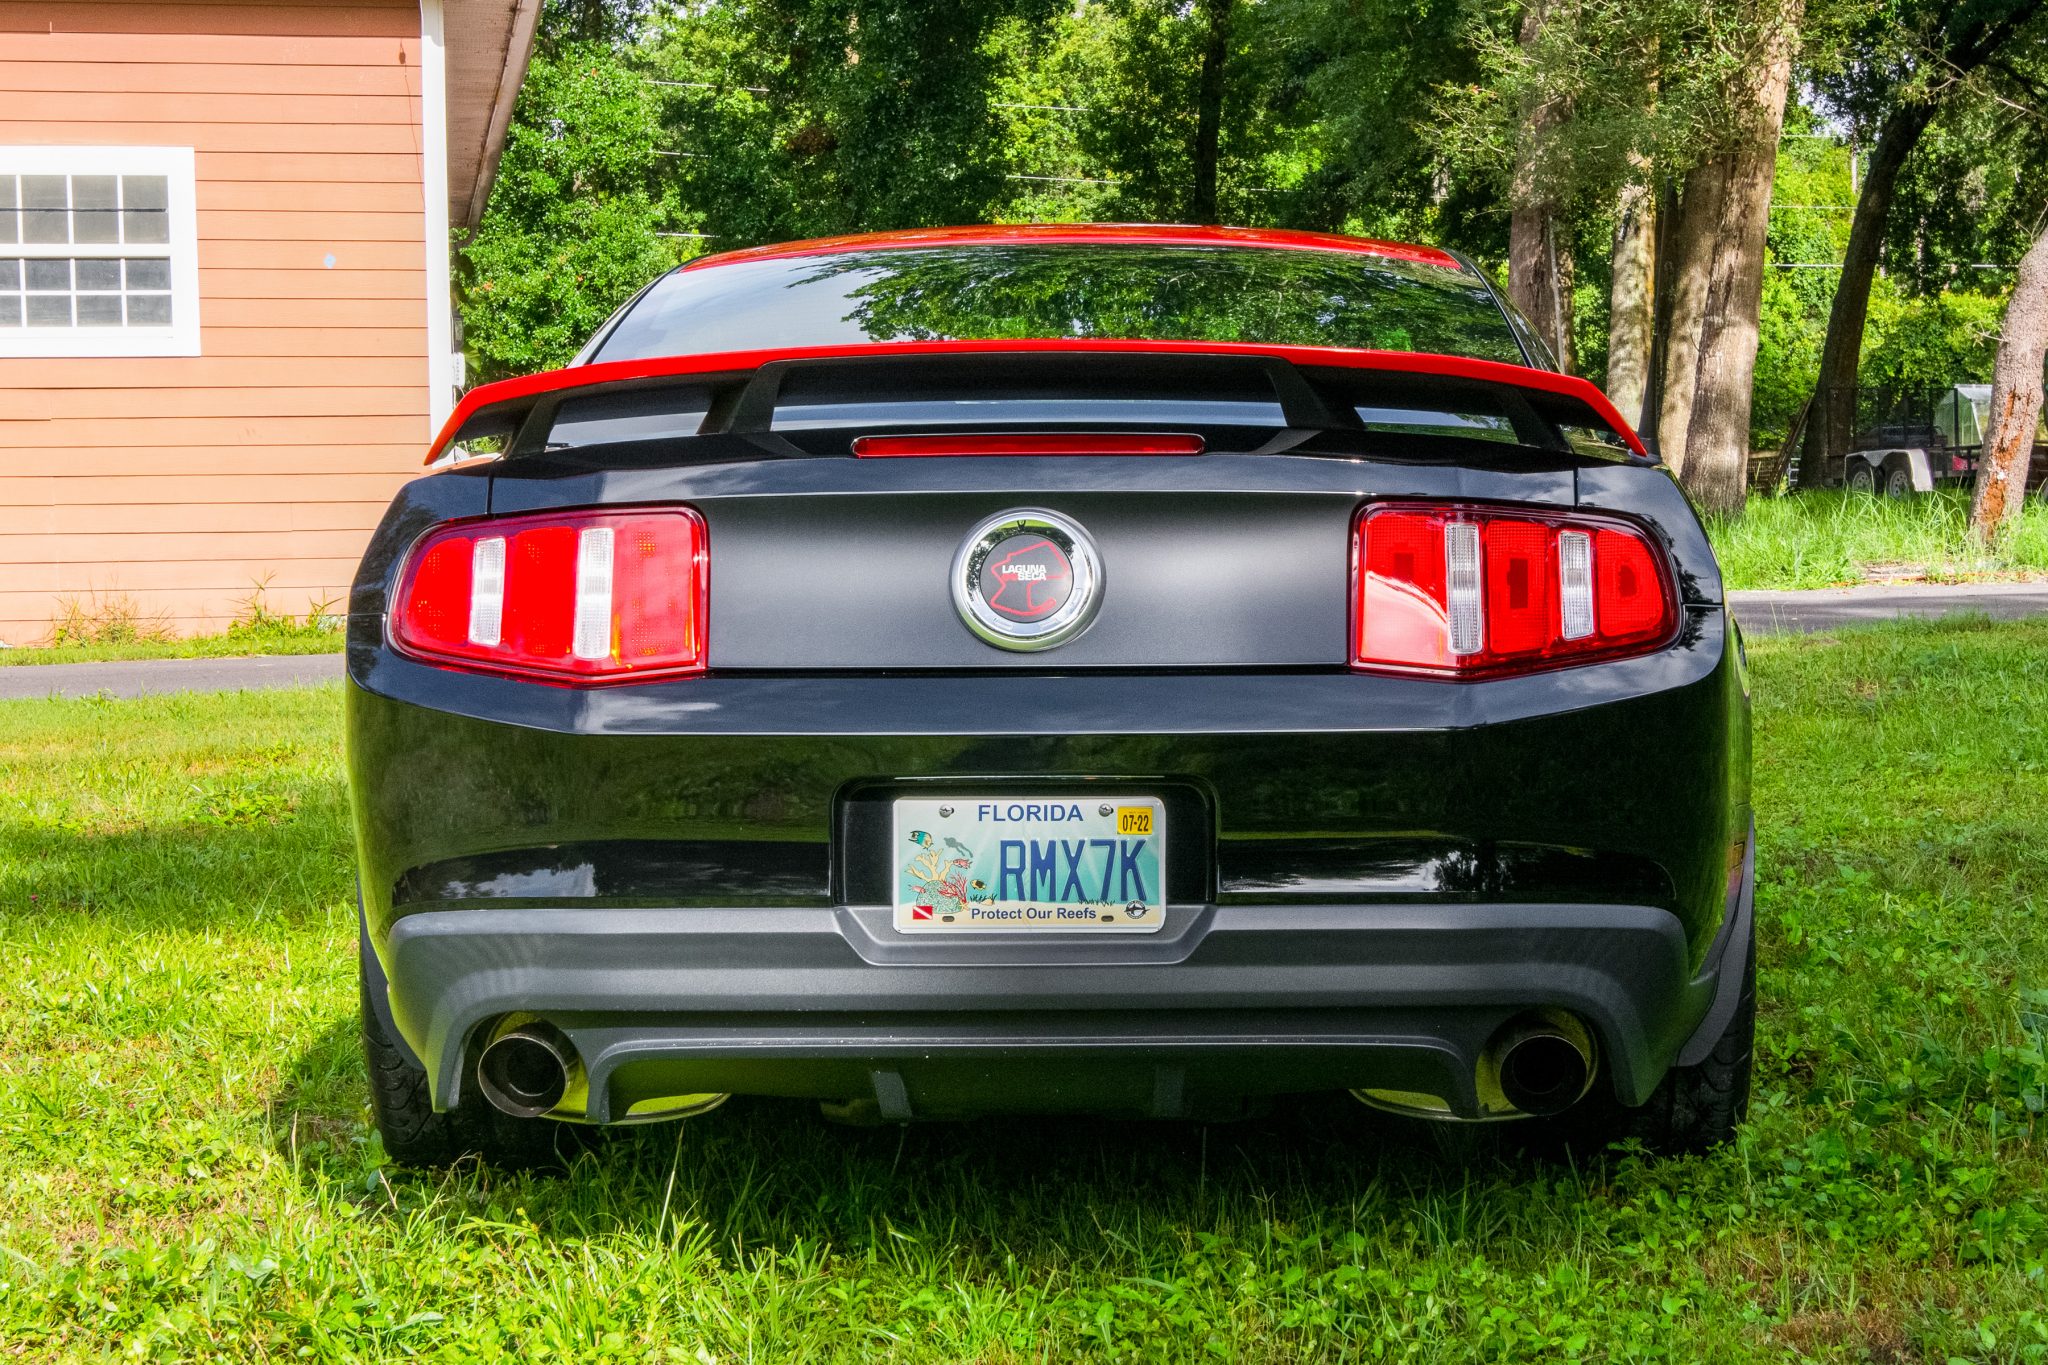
(996, 292)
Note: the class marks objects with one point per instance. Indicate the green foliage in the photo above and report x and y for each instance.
(1638, 85)
(1141, 123)
(1141, 100)
(1810, 203)
(647, 133)
(1049, 78)
(191, 1174)
(1929, 340)
(106, 619)
(1970, 200)
(575, 217)
(113, 625)
(799, 118)
(1359, 80)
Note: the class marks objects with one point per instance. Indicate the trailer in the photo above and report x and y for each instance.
(1929, 440)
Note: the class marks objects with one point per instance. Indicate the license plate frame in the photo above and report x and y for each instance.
(1111, 848)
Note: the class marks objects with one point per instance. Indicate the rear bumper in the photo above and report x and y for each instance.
(1382, 872)
(1228, 1001)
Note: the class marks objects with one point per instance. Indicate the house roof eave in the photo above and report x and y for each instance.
(488, 44)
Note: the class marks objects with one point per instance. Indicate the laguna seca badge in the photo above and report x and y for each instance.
(1027, 579)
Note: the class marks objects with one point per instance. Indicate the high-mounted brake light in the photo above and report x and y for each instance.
(1030, 443)
(1472, 591)
(573, 597)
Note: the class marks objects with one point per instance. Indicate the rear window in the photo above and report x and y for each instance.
(997, 292)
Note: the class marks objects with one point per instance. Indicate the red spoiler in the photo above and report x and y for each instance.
(481, 401)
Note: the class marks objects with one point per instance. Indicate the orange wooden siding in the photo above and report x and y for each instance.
(179, 483)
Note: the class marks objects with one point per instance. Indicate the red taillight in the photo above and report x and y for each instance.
(1466, 591)
(1030, 443)
(574, 597)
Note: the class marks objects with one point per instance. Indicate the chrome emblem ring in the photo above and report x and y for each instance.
(1027, 579)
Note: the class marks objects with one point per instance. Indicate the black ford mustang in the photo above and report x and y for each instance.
(1117, 670)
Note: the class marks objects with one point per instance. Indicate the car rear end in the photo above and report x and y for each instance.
(736, 730)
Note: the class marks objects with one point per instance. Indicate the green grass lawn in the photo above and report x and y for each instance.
(1823, 539)
(196, 647)
(186, 1169)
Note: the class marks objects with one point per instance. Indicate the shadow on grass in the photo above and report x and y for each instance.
(774, 1176)
(240, 855)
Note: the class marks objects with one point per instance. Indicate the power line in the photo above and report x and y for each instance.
(706, 85)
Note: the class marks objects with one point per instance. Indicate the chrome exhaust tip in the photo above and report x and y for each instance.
(526, 1071)
(1538, 1064)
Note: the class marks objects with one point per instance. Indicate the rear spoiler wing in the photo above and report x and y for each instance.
(500, 409)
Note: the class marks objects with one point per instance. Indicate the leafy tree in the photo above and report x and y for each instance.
(797, 118)
(1722, 232)
(1925, 340)
(1360, 81)
(1964, 209)
(1186, 111)
(1913, 56)
(607, 22)
(1580, 129)
(1809, 227)
(575, 220)
(1049, 91)
(1578, 102)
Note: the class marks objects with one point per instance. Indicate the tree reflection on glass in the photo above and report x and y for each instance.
(1302, 298)
(1004, 292)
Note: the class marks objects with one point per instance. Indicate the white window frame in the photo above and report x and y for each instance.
(175, 164)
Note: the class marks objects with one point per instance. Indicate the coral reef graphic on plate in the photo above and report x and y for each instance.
(938, 876)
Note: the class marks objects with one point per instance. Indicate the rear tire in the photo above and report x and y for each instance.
(1693, 1109)
(1898, 482)
(414, 1135)
(1861, 478)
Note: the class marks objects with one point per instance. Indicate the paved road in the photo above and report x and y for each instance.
(1761, 613)
(1770, 613)
(141, 677)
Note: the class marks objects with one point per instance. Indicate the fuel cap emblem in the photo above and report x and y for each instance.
(1027, 579)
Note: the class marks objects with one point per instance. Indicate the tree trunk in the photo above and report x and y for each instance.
(1631, 312)
(1540, 277)
(2015, 399)
(1663, 241)
(1694, 240)
(1832, 423)
(1209, 112)
(1539, 257)
(1717, 438)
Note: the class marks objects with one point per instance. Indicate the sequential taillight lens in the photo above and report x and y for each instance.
(570, 597)
(1471, 591)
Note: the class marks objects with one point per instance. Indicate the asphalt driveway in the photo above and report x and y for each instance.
(142, 677)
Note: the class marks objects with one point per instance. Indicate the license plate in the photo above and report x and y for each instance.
(1079, 864)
